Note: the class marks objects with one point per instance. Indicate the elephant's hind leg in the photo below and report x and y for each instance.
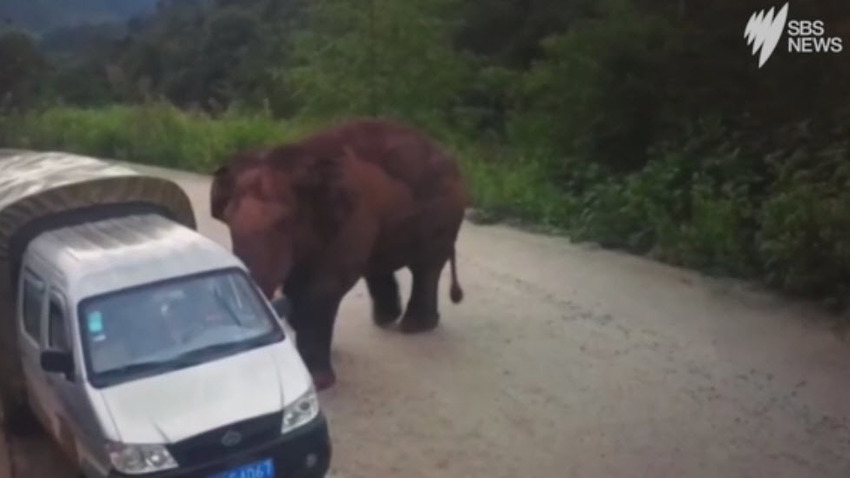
(386, 300)
(422, 314)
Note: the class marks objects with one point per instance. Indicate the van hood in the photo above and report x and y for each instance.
(180, 404)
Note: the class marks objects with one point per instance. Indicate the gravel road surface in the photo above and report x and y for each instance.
(567, 361)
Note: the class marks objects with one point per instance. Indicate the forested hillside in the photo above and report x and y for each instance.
(44, 15)
(643, 125)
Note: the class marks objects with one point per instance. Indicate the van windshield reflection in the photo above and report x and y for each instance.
(166, 326)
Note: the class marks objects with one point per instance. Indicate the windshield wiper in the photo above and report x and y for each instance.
(198, 355)
(187, 359)
(141, 367)
(184, 360)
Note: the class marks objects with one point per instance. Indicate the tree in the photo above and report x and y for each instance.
(384, 57)
(21, 69)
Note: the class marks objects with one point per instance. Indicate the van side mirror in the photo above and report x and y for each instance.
(55, 361)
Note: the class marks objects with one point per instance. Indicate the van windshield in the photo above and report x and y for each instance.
(152, 329)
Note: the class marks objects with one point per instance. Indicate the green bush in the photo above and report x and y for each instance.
(714, 238)
(515, 187)
(805, 235)
(636, 212)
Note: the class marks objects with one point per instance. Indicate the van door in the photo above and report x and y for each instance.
(68, 406)
(32, 299)
(76, 427)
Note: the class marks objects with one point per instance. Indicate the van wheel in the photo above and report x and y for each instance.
(18, 419)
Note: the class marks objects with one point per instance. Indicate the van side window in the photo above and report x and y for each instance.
(33, 295)
(56, 331)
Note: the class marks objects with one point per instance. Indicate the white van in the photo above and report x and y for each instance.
(141, 346)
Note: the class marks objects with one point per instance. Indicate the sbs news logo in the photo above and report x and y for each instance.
(765, 28)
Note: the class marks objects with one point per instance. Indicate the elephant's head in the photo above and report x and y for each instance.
(279, 205)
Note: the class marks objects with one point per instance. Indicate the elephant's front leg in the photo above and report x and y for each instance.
(386, 300)
(422, 314)
(313, 318)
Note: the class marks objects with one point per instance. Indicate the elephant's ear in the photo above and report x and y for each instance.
(220, 192)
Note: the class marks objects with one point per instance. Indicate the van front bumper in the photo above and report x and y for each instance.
(303, 453)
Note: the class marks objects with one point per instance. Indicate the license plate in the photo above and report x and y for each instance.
(260, 469)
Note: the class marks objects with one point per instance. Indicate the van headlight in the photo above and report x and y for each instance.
(140, 459)
(301, 411)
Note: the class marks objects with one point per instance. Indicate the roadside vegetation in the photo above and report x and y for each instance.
(644, 126)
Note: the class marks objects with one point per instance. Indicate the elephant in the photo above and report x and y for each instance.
(361, 199)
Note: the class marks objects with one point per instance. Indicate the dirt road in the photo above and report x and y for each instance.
(565, 361)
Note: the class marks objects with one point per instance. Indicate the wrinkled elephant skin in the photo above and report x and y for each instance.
(362, 199)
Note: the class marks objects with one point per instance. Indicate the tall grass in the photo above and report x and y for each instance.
(694, 209)
(156, 134)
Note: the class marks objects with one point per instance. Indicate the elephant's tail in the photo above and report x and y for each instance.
(456, 293)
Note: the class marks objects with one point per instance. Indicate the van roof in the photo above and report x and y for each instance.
(112, 254)
(38, 187)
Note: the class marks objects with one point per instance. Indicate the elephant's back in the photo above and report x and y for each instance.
(399, 150)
